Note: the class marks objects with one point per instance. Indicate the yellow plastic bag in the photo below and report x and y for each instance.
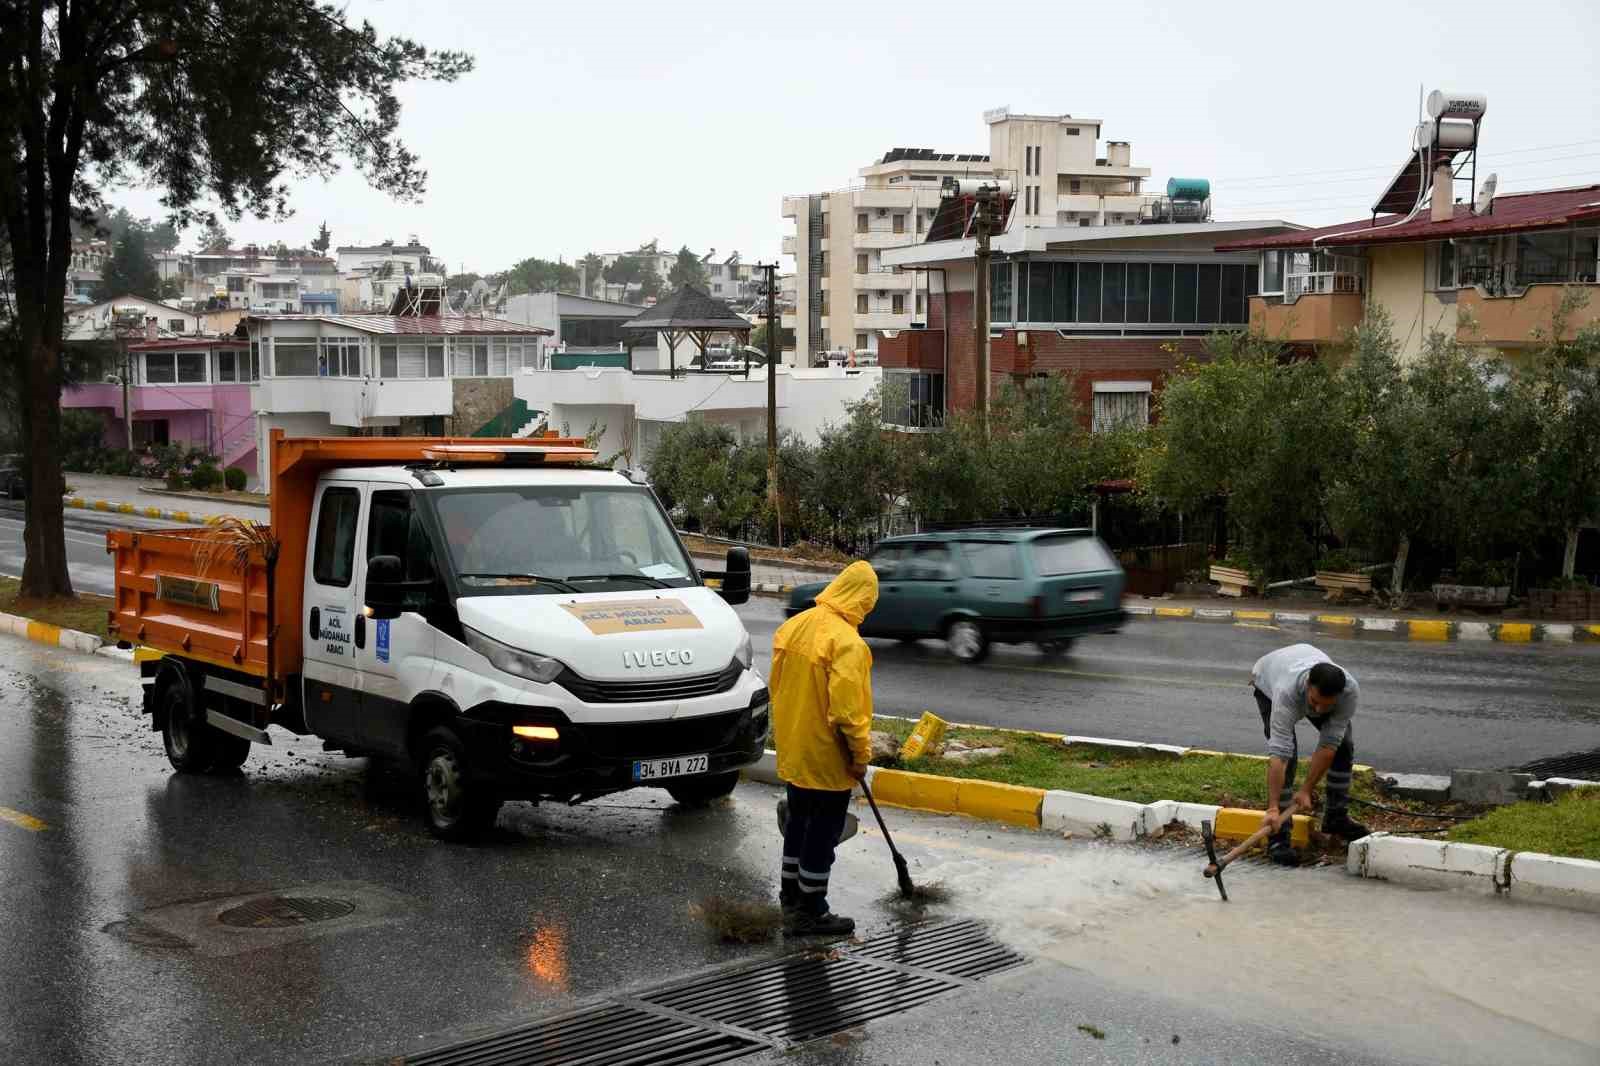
(926, 739)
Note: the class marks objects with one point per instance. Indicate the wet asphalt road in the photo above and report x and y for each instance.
(112, 868)
(1424, 707)
(87, 561)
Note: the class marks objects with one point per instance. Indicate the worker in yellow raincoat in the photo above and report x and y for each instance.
(821, 721)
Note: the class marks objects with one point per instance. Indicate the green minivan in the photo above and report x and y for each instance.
(977, 587)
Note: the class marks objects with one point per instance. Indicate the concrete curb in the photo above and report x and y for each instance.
(1519, 875)
(1425, 629)
(52, 635)
(120, 507)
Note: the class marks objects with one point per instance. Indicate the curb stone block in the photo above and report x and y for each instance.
(1473, 631)
(1514, 632)
(1192, 814)
(1214, 614)
(1428, 630)
(1174, 612)
(1155, 817)
(1560, 786)
(1252, 616)
(1555, 880)
(1083, 815)
(1556, 633)
(1488, 786)
(926, 792)
(1291, 616)
(1237, 823)
(1343, 620)
(998, 802)
(1379, 625)
(1140, 610)
(1430, 863)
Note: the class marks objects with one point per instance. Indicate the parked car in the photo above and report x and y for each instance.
(977, 587)
(13, 483)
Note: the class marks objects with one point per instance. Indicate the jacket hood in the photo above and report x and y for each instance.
(853, 593)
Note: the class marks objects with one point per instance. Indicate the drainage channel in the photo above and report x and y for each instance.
(741, 1010)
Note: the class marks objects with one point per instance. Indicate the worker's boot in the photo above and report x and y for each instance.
(800, 923)
(789, 901)
(1280, 850)
(1340, 824)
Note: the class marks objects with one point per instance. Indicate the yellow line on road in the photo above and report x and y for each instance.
(24, 821)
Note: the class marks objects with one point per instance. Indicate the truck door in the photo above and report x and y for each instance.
(333, 622)
(397, 659)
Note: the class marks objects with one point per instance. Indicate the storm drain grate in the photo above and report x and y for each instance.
(1579, 764)
(737, 1011)
(285, 912)
(611, 1035)
(961, 949)
(796, 999)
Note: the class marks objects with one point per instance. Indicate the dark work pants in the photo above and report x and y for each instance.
(1338, 804)
(816, 818)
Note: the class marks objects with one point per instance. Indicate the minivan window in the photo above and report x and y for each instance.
(990, 558)
(885, 562)
(1071, 555)
(335, 554)
(929, 562)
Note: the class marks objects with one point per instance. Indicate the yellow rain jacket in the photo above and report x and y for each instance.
(822, 685)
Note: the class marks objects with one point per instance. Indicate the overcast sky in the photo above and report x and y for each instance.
(598, 125)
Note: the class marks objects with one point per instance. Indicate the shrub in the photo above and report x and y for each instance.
(1337, 562)
(176, 482)
(235, 478)
(206, 477)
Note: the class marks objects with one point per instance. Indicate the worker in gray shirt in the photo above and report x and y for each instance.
(1292, 683)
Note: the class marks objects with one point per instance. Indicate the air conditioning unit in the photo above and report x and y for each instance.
(883, 212)
(882, 294)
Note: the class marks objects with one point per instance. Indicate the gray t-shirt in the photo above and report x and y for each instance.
(1281, 677)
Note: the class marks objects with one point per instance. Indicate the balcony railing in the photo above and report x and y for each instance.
(1319, 283)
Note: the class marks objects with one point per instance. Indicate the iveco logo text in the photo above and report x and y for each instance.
(631, 659)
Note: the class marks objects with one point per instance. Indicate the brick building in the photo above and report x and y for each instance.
(1117, 306)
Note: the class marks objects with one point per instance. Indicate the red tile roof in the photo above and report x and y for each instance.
(430, 325)
(187, 344)
(1510, 213)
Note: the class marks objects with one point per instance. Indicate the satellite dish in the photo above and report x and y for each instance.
(1485, 198)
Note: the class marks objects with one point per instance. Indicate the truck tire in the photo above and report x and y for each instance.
(231, 752)
(190, 742)
(704, 790)
(454, 806)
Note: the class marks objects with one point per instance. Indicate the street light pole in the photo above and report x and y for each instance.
(771, 269)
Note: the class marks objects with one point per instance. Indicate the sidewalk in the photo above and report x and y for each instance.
(143, 495)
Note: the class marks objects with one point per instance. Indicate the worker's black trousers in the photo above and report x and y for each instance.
(816, 818)
(1337, 807)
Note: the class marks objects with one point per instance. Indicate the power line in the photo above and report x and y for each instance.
(1301, 202)
(1353, 181)
(1354, 170)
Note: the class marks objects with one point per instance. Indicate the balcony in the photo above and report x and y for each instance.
(789, 243)
(912, 349)
(1511, 321)
(1315, 318)
(351, 401)
(883, 279)
(885, 237)
(796, 206)
(893, 198)
(883, 318)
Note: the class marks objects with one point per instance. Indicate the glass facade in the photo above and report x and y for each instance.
(1096, 294)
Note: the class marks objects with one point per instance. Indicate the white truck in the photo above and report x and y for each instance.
(504, 618)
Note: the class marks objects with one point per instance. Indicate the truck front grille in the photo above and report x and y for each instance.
(659, 690)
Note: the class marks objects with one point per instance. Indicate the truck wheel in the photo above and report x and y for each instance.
(701, 791)
(190, 742)
(231, 751)
(454, 806)
(967, 641)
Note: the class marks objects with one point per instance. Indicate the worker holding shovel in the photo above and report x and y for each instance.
(1292, 683)
(821, 688)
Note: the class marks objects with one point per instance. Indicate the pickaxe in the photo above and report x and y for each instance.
(1215, 867)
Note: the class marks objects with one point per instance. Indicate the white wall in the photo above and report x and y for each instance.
(293, 425)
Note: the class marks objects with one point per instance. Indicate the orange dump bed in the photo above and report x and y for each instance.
(204, 593)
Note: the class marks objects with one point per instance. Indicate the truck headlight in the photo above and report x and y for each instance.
(540, 668)
(746, 653)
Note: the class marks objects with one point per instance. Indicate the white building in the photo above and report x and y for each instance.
(630, 409)
(353, 257)
(339, 375)
(846, 295)
(100, 321)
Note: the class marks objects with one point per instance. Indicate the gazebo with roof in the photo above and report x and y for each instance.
(691, 313)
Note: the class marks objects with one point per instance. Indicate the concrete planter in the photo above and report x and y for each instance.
(1230, 582)
(1338, 581)
(1471, 595)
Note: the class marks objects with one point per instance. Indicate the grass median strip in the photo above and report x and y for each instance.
(1569, 826)
(84, 613)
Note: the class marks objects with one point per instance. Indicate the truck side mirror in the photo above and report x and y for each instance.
(736, 579)
(385, 586)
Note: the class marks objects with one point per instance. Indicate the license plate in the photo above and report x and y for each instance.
(683, 765)
(1083, 595)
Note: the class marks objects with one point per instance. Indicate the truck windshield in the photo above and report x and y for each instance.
(560, 539)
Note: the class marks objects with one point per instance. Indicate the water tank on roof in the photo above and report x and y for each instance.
(1188, 189)
(1445, 104)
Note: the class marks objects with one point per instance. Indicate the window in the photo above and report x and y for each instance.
(341, 357)
(824, 302)
(334, 555)
(1585, 254)
(1000, 293)
(225, 366)
(929, 562)
(1185, 285)
(1072, 131)
(1064, 285)
(824, 263)
(921, 303)
(1085, 222)
(861, 222)
(861, 263)
(861, 341)
(1076, 186)
(1089, 292)
(435, 347)
(294, 358)
(499, 366)
(1543, 256)
(899, 223)
(388, 360)
(1161, 292)
(175, 325)
(1443, 268)
(255, 360)
(148, 431)
(861, 303)
(1118, 404)
(885, 560)
(1136, 294)
(1271, 273)
(1210, 292)
(159, 368)
(1040, 293)
(1234, 309)
(990, 559)
(919, 221)
(912, 399)
(897, 303)
(1055, 556)
(393, 528)
(1113, 297)
(470, 357)
(1027, 160)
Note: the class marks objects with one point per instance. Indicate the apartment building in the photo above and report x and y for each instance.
(728, 277)
(847, 294)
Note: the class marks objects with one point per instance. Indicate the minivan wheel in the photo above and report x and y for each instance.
(966, 640)
(1054, 649)
(454, 806)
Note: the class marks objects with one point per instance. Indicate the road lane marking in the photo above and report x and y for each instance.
(24, 821)
(1255, 625)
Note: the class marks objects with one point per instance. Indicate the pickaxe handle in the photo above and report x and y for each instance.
(1249, 842)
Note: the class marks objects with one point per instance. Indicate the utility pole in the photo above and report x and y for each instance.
(771, 271)
(126, 368)
(988, 197)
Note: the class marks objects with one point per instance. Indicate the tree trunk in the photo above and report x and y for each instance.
(1569, 561)
(1398, 582)
(44, 570)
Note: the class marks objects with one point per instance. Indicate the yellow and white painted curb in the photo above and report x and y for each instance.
(56, 637)
(161, 514)
(1424, 629)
